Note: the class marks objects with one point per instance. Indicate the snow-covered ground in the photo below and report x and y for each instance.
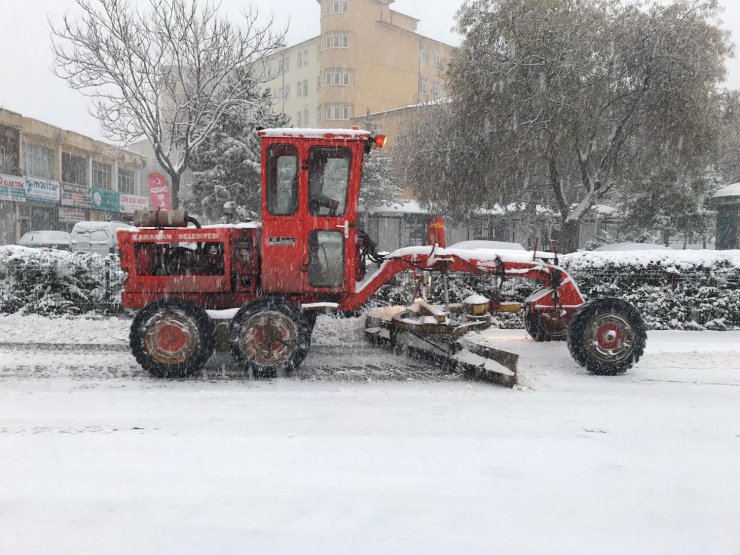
(365, 452)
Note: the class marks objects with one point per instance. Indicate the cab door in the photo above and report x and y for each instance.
(283, 246)
(332, 176)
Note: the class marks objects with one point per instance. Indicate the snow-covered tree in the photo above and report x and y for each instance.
(166, 72)
(226, 166)
(673, 204)
(565, 101)
(379, 179)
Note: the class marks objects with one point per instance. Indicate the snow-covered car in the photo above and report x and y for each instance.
(46, 239)
(631, 247)
(98, 237)
(488, 245)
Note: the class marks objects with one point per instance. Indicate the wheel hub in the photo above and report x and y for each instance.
(269, 338)
(611, 338)
(171, 338)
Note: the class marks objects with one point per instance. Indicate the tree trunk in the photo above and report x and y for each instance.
(569, 236)
(666, 238)
(175, 191)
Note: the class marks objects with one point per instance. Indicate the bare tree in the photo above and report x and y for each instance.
(167, 72)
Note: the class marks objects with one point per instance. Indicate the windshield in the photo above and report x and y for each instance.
(328, 180)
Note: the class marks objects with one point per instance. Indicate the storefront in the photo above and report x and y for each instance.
(41, 210)
(12, 195)
(106, 205)
(131, 204)
(76, 200)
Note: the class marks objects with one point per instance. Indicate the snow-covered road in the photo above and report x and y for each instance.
(366, 452)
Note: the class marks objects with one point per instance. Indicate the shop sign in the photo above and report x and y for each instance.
(76, 195)
(159, 188)
(71, 214)
(108, 201)
(132, 203)
(42, 190)
(12, 188)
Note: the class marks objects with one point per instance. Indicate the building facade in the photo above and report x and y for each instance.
(367, 59)
(51, 178)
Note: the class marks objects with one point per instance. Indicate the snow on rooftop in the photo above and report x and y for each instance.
(729, 191)
(292, 132)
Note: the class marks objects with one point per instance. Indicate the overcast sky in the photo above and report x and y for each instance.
(28, 86)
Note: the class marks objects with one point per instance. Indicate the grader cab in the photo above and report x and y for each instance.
(308, 255)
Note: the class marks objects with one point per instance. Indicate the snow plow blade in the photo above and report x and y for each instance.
(453, 351)
(487, 364)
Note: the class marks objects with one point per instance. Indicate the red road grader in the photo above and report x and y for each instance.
(308, 256)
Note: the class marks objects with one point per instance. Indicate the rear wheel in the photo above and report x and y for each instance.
(607, 336)
(544, 326)
(172, 338)
(270, 337)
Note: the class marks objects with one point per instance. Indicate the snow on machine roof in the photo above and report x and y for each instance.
(291, 132)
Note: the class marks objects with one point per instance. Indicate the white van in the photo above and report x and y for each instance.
(98, 237)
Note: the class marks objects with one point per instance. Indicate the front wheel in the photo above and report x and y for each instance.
(544, 326)
(270, 337)
(607, 336)
(172, 338)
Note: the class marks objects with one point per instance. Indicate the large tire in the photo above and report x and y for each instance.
(542, 326)
(172, 338)
(270, 337)
(607, 336)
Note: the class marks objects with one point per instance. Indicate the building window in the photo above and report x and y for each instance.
(305, 117)
(424, 55)
(337, 39)
(283, 92)
(423, 85)
(38, 161)
(335, 6)
(102, 175)
(9, 150)
(305, 88)
(300, 59)
(299, 89)
(305, 58)
(437, 59)
(335, 76)
(299, 119)
(436, 88)
(126, 182)
(337, 112)
(284, 64)
(74, 169)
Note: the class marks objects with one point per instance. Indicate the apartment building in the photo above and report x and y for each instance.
(368, 58)
(51, 178)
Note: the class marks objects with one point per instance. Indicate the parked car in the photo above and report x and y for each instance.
(46, 239)
(98, 237)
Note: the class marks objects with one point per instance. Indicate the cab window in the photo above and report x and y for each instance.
(328, 180)
(282, 180)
